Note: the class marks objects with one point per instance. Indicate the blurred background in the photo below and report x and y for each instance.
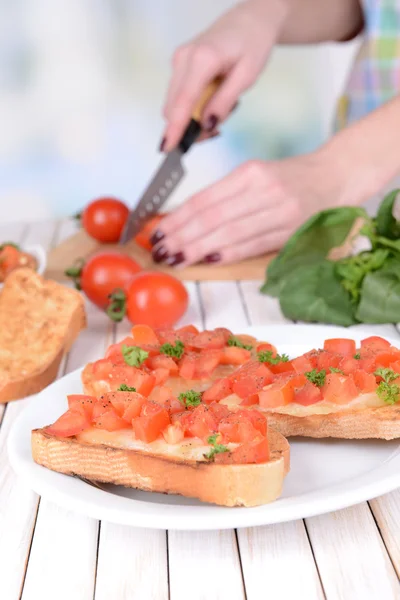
(82, 83)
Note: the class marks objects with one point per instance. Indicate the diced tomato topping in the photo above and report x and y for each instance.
(188, 329)
(70, 423)
(282, 367)
(308, 394)
(110, 421)
(302, 364)
(266, 347)
(173, 434)
(82, 402)
(225, 332)
(395, 366)
(386, 358)
(251, 452)
(162, 362)
(207, 361)
(276, 394)
(127, 404)
(327, 359)
(339, 389)
(164, 397)
(365, 382)
(143, 334)
(199, 422)
(250, 400)
(232, 355)
(114, 352)
(375, 343)
(161, 376)
(342, 346)
(153, 419)
(348, 365)
(187, 366)
(212, 340)
(367, 363)
(258, 420)
(143, 382)
(219, 411)
(102, 368)
(237, 430)
(250, 378)
(221, 388)
(101, 406)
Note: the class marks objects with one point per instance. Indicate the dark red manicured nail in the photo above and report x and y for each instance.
(156, 237)
(160, 254)
(210, 123)
(212, 258)
(162, 144)
(176, 259)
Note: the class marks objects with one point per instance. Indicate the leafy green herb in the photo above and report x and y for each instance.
(216, 448)
(267, 356)
(126, 388)
(387, 390)
(357, 356)
(190, 398)
(311, 244)
(133, 355)
(316, 377)
(175, 351)
(335, 370)
(362, 288)
(388, 375)
(234, 341)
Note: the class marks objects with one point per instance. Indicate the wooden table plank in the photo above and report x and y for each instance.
(386, 511)
(351, 557)
(204, 565)
(222, 305)
(262, 309)
(132, 564)
(269, 553)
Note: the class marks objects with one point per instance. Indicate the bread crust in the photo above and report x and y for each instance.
(369, 423)
(24, 302)
(226, 485)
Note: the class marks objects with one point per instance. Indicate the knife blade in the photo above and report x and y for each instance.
(169, 174)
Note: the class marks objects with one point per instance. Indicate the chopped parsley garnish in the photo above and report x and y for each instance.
(335, 370)
(175, 351)
(387, 390)
(216, 448)
(234, 341)
(190, 398)
(133, 355)
(316, 377)
(357, 356)
(126, 388)
(267, 356)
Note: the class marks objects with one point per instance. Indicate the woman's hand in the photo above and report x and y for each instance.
(235, 47)
(253, 210)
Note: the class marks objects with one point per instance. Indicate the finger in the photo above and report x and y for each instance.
(257, 246)
(201, 68)
(225, 99)
(233, 233)
(179, 63)
(231, 185)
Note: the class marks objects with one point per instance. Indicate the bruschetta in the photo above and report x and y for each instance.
(175, 446)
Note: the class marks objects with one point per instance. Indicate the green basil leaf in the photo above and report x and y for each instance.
(386, 224)
(310, 244)
(380, 295)
(313, 293)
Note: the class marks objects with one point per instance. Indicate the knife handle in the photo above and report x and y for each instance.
(193, 130)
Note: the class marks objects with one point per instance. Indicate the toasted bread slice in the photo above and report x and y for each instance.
(227, 485)
(39, 321)
(368, 423)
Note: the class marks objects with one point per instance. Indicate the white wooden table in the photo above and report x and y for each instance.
(48, 553)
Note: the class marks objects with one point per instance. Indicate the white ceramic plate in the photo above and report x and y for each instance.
(39, 253)
(325, 475)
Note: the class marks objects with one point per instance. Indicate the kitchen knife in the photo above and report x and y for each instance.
(169, 173)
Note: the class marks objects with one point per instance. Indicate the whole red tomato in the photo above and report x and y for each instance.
(144, 235)
(104, 219)
(102, 274)
(156, 299)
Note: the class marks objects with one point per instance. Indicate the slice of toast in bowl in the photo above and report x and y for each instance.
(39, 321)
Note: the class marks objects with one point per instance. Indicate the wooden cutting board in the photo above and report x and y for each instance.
(80, 245)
